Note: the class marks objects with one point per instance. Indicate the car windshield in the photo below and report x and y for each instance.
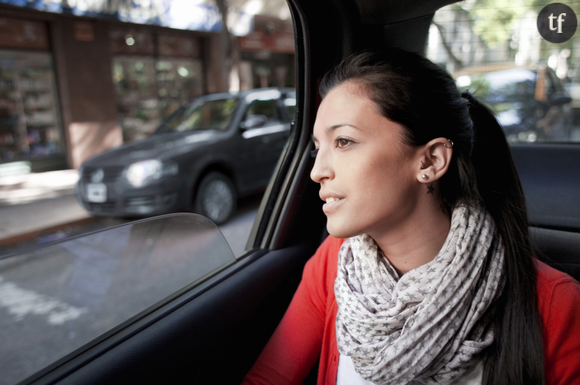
(199, 115)
(57, 299)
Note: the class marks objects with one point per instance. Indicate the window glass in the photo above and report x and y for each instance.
(56, 299)
(494, 49)
(290, 103)
(265, 107)
(199, 115)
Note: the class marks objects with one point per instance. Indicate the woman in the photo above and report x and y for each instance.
(428, 274)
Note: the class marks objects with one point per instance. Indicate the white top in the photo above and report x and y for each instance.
(347, 375)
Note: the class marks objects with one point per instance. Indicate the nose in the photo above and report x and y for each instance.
(321, 169)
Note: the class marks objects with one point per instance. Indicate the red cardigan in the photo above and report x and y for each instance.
(307, 331)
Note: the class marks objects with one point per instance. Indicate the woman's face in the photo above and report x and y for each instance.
(367, 175)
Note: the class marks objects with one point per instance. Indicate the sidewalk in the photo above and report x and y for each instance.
(32, 203)
(40, 208)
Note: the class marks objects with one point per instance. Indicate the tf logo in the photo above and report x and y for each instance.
(557, 22)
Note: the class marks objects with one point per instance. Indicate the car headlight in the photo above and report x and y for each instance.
(144, 172)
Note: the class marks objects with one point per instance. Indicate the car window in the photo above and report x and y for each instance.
(290, 104)
(199, 115)
(267, 108)
(495, 51)
(512, 85)
(56, 299)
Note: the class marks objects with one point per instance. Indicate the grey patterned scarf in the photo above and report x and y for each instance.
(430, 325)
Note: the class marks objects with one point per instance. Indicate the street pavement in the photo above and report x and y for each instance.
(55, 299)
(32, 203)
(42, 207)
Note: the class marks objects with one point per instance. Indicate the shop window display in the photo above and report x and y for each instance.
(137, 104)
(177, 81)
(149, 90)
(266, 69)
(29, 122)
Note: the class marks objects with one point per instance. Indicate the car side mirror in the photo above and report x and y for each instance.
(253, 121)
(559, 98)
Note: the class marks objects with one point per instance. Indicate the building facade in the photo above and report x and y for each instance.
(74, 86)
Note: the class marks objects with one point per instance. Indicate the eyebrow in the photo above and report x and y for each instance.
(334, 127)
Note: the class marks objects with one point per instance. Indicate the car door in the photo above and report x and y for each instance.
(260, 144)
(211, 331)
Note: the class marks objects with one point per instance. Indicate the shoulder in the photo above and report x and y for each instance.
(323, 264)
(554, 282)
(327, 253)
(559, 306)
(557, 291)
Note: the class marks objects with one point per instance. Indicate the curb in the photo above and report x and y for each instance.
(16, 239)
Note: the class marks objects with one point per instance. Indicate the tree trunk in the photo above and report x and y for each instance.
(457, 64)
(229, 47)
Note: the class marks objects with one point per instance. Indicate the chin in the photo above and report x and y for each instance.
(338, 232)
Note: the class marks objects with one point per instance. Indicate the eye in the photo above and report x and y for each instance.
(342, 142)
(313, 153)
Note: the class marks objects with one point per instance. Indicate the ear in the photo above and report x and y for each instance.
(434, 159)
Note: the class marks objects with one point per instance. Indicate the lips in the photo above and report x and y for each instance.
(332, 202)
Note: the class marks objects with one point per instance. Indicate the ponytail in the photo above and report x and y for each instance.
(516, 356)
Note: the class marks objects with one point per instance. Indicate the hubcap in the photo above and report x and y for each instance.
(217, 200)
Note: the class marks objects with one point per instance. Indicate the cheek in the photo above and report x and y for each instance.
(386, 181)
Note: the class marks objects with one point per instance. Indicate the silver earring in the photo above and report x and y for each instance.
(446, 146)
(424, 176)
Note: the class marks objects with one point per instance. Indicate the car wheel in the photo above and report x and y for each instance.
(216, 197)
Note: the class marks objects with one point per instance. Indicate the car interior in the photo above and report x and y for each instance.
(212, 332)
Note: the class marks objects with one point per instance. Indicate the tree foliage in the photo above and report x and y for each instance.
(495, 20)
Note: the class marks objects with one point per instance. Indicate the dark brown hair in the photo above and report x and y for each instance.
(422, 97)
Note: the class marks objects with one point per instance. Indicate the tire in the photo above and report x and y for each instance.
(216, 197)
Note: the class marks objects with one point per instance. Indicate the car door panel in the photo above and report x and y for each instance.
(264, 146)
(551, 182)
(223, 322)
(260, 147)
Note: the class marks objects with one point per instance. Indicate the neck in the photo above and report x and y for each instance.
(417, 240)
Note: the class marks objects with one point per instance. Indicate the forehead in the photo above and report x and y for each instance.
(349, 92)
(346, 105)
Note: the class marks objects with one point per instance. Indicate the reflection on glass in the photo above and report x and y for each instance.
(57, 299)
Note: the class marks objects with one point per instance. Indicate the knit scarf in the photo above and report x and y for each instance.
(430, 325)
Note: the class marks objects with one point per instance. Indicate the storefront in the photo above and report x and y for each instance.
(267, 54)
(30, 123)
(154, 73)
(73, 87)
(75, 82)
